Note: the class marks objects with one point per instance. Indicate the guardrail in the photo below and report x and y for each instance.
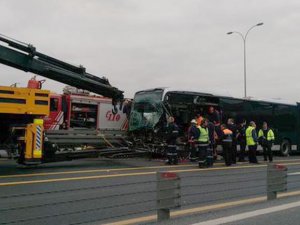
(154, 195)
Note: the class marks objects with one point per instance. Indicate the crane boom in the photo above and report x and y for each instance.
(25, 57)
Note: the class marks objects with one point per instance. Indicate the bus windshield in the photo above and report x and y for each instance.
(147, 110)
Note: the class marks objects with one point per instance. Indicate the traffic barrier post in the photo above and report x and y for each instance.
(276, 180)
(168, 194)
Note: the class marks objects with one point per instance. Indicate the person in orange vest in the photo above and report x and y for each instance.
(231, 126)
(226, 144)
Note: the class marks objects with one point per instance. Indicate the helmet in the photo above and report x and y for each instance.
(193, 121)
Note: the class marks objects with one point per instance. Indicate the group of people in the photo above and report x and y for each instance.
(232, 135)
(204, 134)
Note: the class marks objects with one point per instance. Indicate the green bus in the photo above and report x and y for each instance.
(151, 108)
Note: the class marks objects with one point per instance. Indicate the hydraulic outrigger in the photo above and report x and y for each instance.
(21, 109)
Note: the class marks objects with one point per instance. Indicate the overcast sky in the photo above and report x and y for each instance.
(141, 44)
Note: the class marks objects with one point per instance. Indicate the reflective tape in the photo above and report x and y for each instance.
(38, 138)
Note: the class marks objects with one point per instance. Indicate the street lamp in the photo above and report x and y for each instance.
(244, 37)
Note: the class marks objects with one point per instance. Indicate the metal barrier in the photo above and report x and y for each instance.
(276, 180)
(155, 195)
(168, 194)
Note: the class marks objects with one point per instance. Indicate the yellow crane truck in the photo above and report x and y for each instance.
(22, 109)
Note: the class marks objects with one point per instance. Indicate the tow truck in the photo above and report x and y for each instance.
(23, 110)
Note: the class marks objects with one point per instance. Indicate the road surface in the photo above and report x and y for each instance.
(99, 191)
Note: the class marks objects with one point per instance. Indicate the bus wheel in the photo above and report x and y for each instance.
(285, 148)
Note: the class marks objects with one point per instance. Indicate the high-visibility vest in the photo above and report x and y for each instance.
(227, 135)
(227, 132)
(203, 134)
(270, 135)
(249, 139)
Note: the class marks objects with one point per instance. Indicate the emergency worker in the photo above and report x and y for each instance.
(241, 140)
(193, 135)
(172, 135)
(251, 141)
(226, 144)
(199, 119)
(203, 142)
(213, 116)
(266, 139)
(231, 126)
(211, 146)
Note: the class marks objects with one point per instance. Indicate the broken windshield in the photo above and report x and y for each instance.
(147, 110)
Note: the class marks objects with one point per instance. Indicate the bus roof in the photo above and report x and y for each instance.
(220, 94)
(273, 100)
(204, 92)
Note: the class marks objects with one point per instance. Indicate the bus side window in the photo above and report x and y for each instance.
(53, 104)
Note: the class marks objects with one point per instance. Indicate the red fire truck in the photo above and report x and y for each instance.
(77, 109)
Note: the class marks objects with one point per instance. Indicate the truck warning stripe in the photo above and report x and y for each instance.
(38, 137)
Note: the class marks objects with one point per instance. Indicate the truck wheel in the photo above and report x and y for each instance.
(285, 148)
(21, 153)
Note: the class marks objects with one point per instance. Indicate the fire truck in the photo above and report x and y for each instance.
(38, 127)
(77, 109)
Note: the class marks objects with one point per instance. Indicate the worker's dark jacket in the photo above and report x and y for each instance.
(233, 128)
(172, 132)
(211, 132)
(193, 133)
(226, 137)
(241, 134)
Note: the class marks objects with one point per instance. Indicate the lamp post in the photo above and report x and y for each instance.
(244, 37)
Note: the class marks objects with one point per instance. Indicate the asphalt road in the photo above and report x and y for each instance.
(98, 191)
(257, 213)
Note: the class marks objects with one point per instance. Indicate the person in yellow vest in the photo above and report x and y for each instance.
(202, 143)
(227, 144)
(251, 141)
(266, 139)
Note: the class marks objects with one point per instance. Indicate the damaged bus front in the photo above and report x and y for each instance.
(151, 109)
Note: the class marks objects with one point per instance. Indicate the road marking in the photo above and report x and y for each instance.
(91, 171)
(101, 170)
(286, 160)
(288, 194)
(74, 178)
(122, 175)
(189, 211)
(131, 174)
(246, 215)
(230, 168)
(202, 209)
(119, 169)
(294, 174)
